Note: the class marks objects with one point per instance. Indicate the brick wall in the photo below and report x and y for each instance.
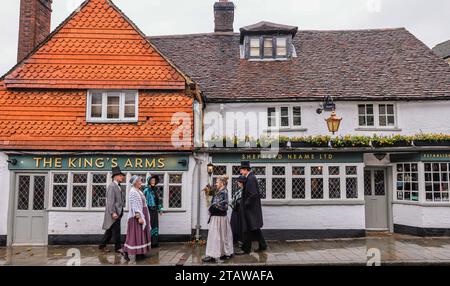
(34, 26)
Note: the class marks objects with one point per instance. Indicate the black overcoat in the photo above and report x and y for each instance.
(251, 205)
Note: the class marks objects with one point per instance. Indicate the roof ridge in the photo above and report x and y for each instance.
(174, 36)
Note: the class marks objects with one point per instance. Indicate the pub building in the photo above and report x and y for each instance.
(97, 93)
(271, 80)
(93, 94)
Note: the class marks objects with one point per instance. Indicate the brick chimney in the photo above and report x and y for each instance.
(223, 16)
(34, 25)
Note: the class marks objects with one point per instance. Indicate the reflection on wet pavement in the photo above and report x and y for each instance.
(393, 249)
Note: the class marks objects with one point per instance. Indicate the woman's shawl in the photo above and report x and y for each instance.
(135, 205)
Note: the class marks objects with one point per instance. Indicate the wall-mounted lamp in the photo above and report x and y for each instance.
(210, 169)
(327, 105)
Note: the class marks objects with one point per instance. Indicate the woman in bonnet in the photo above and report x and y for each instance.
(138, 241)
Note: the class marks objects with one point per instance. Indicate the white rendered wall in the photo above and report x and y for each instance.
(422, 216)
(4, 193)
(340, 217)
(409, 215)
(412, 118)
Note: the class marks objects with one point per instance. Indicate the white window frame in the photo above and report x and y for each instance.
(307, 176)
(274, 39)
(376, 115)
(420, 182)
(440, 172)
(104, 118)
(108, 182)
(277, 117)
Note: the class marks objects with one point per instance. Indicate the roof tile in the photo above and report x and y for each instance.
(97, 44)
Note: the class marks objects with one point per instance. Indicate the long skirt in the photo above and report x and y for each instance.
(236, 226)
(138, 240)
(154, 218)
(220, 237)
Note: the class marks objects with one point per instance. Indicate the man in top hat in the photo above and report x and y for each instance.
(252, 211)
(115, 203)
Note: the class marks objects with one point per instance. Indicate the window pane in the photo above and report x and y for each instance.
(281, 47)
(24, 193)
(284, 116)
(362, 120)
(335, 188)
(60, 178)
(175, 179)
(278, 188)
(59, 196)
(278, 171)
(130, 99)
(259, 171)
(268, 45)
(130, 111)
(369, 109)
(317, 188)
(298, 171)
(352, 188)
(98, 196)
(297, 115)
(298, 188)
(79, 196)
(96, 98)
(315, 171)
(383, 121)
(96, 111)
(391, 120)
(113, 107)
(175, 200)
(351, 170)
(254, 47)
(361, 109)
(333, 171)
(370, 121)
(382, 108)
(390, 109)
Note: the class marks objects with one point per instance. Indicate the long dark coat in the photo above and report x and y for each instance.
(251, 205)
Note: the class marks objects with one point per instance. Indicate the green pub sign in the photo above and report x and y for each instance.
(101, 163)
(297, 157)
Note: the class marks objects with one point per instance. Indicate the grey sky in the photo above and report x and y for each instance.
(429, 20)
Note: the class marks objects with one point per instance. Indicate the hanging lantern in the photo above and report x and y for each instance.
(333, 122)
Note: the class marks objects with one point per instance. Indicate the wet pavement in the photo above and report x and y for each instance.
(391, 248)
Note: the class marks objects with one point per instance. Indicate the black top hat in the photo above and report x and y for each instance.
(241, 179)
(156, 177)
(245, 165)
(116, 171)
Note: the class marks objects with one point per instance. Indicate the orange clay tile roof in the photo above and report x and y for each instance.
(96, 47)
(56, 120)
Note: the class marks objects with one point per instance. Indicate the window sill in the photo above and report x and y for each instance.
(286, 129)
(312, 202)
(103, 210)
(112, 121)
(378, 129)
(268, 59)
(426, 204)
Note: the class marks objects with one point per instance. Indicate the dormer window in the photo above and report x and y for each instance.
(267, 41)
(268, 47)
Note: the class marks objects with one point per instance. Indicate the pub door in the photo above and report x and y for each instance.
(376, 200)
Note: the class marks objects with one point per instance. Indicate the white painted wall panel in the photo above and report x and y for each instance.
(4, 193)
